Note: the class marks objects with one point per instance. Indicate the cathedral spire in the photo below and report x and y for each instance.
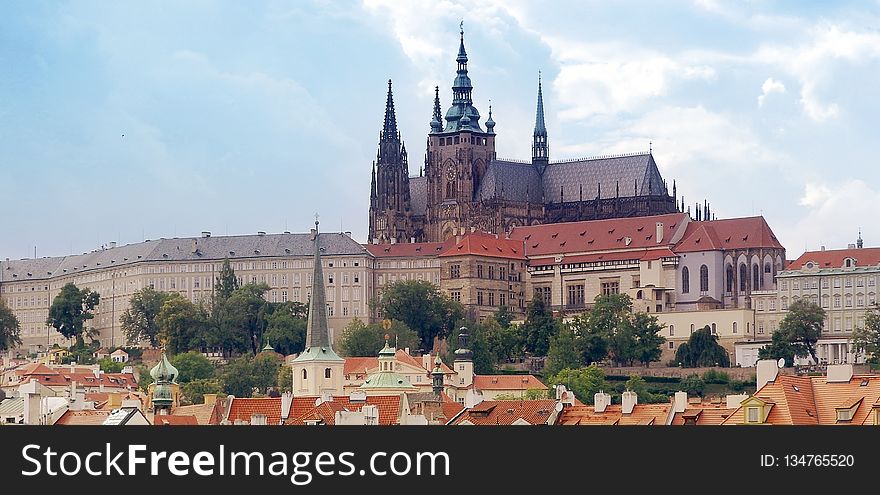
(317, 331)
(462, 115)
(540, 146)
(389, 129)
(437, 117)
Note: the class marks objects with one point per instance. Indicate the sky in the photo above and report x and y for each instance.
(125, 121)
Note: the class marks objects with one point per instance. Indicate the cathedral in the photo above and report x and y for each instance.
(463, 185)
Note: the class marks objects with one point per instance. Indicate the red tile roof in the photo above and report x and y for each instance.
(174, 420)
(507, 412)
(86, 417)
(704, 413)
(244, 408)
(835, 258)
(597, 235)
(35, 369)
(732, 233)
(507, 382)
(408, 250)
(359, 365)
(642, 414)
(488, 245)
(388, 405)
(205, 414)
(638, 255)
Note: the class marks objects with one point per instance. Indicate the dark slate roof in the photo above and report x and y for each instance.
(180, 249)
(513, 181)
(628, 170)
(418, 194)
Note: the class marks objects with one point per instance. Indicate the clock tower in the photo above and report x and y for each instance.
(457, 158)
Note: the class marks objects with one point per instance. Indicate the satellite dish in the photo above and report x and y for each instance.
(559, 407)
(781, 363)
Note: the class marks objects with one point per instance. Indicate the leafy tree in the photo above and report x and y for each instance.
(539, 327)
(139, 320)
(590, 342)
(226, 282)
(10, 329)
(245, 313)
(479, 347)
(191, 366)
(609, 318)
(110, 366)
(503, 342)
(638, 385)
(779, 347)
(802, 326)
(195, 390)
(420, 305)
(563, 352)
(71, 308)
(702, 349)
(285, 379)
(504, 316)
(144, 378)
(693, 384)
(247, 374)
(648, 341)
(584, 382)
(865, 339)
(363, 340)
(182, 325)
(286, 328)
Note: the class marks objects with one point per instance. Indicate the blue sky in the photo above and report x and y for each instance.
(246, 116)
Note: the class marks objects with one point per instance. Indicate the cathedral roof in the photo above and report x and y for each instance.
(511, 181)
(732, 233)
(635, 175)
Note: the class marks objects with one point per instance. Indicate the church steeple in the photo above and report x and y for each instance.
(540, 146)
(389, 130)
(317, 331)
(462, 115)
(490, 124)
(437, 117)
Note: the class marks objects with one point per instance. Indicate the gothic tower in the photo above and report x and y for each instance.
(390, 211)
(457, 158)
(540, 146)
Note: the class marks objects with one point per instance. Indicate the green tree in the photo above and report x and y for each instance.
(70, 309)
(144, 378)
(610, 317)
(779, 347)
(865, 339)
(182, 325)
(245, 315)
(504, 316)
(563, 352)
(109, 366)
(693, 385)
(191, 366)
(138, 321)
(648, 341)
(361, 340)
(195, 390)
(420, 305)
(10, 329)
(479, 347)
(285, 379)
(226, 282)
(591, 342)
(584, 382)
(638, 385)
(802, 326)
(286, 328)
(702, 349)
(540, 326)
(248, 374)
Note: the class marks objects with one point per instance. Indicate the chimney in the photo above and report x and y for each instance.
(286, 404)
(210, 399)
(258, 420)
(659, 233)
(426, 361)
(601, 401)
(206, 233)
(850, 246)
(195, 247)
(32, 403)
(312, 233)
(411, 239)
(839, 373)
(680, 402)
(733, 401)
(629, 400)
(767, 370)
(72, 393)
(393, 240)
(822, 248)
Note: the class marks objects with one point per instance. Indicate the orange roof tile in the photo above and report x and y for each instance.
(507, 412)
(244, 408)
(597, 235)
(174, 420)
(85, 417)
(205, 414)
(488, 245)
(325, 412)
(507, 382)
(359, 365)
(642, 414)
(408, 249)
(835, 258)
(731, 233)
(704, 414)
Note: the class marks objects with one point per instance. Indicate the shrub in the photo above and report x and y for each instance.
(715, 376)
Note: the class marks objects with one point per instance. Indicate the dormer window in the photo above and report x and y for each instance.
(844, 415)
(753, 415)
(849, 263)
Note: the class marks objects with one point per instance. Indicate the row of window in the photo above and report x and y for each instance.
(826, 284)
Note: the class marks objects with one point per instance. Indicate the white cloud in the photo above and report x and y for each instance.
(832, 215)
(770, 86)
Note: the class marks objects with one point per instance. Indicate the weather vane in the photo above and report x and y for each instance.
(461, 26)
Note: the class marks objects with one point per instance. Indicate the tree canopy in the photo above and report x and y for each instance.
(540, 326)
(802, 327)
(70, 309)
(422, 307)
(584, 382)
(702, 349)
(867, 338)
(10, 329)
(139, 320)
(361, 340)
(192, 366)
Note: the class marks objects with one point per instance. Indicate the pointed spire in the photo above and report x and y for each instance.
(490, 124)
(462, 115)
(540, 146)
(317, 331)
(539, 116)
(437, 117)
(389, 129)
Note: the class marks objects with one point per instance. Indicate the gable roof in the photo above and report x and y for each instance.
(243, 408)
(642, 414)
(205, 414)
(634, 174)
(489, 245)
(507, 412)
(731, 233)
(835, 258)
(389, 407)
(84, 417)
(599, 235)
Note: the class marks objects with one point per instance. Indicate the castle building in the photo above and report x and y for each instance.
(465, 186)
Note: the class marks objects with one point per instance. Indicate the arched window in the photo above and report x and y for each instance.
(305, 374)
(326, 372)
(685, 280)
(734, 327)
(450, 189)
(731, 280)
(704, 278)
(743, 278)
(768, 268)
(756, 277)
(714, 331)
